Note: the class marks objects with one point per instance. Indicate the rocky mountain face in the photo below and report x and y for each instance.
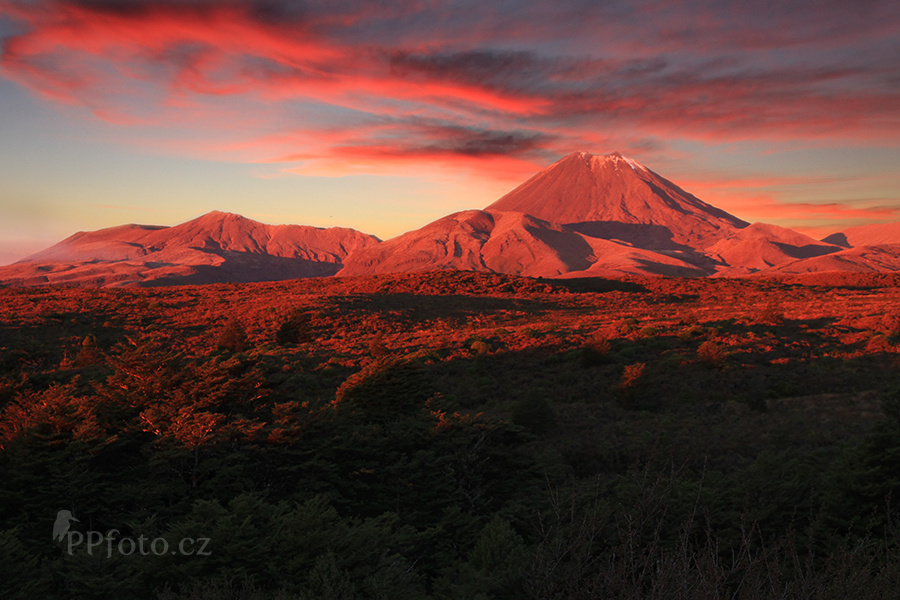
(216, 247)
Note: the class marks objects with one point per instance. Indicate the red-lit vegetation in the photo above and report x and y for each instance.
(452, 434)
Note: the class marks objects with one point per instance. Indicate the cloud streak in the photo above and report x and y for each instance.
(425, 83)
(769, 199)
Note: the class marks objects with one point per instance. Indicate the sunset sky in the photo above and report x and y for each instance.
(384, 116)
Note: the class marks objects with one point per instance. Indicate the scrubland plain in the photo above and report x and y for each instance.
(457, 435)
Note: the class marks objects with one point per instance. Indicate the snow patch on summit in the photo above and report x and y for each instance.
(617, 157)
(613, 159)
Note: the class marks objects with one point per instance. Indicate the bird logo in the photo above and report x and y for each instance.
(64, 518)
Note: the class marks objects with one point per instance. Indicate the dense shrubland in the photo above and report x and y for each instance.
(455, 435)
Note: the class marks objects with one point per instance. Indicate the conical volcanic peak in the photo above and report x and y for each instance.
(600, 193)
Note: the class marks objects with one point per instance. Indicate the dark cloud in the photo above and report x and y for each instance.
(477, 65)
(274, 11)
(477, 142)
(125, 8)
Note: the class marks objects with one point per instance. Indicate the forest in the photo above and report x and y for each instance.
(453, 435)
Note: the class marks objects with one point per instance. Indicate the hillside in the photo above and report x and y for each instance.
(215, 247)
(863, 259)
(508, 242)
(879, 234)
(762, 246)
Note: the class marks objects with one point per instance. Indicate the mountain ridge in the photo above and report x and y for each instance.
(214, 247)
(585, 215)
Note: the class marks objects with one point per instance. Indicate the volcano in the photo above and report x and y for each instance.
(616, 197)
(585, 215)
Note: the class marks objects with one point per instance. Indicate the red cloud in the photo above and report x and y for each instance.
(810, 211)
(748, 199)
(249, 71)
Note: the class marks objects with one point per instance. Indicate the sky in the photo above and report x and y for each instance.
(383, 116)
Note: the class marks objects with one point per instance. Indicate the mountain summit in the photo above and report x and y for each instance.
(616, 197)
(215, 247)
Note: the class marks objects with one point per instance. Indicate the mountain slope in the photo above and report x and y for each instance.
(585, 215)
(761, 246)
(615, 197)
(476, 240)
(866, 235)
(862, 259)
(215, 247)
(507, 242)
